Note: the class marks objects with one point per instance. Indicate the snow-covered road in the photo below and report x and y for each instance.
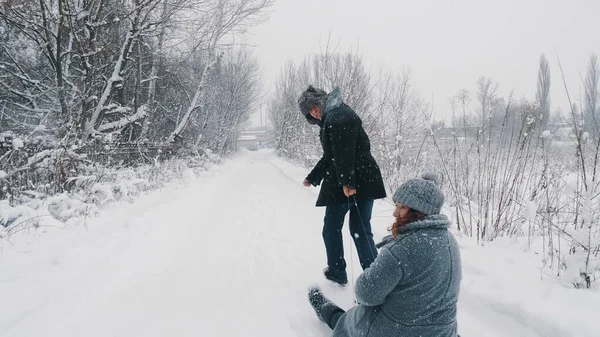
(230, 253)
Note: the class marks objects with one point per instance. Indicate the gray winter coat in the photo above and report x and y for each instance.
(411, 290)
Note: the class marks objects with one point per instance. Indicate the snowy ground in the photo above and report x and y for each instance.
(231, 253)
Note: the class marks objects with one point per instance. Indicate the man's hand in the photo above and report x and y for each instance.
(306, 183)
(348, 191)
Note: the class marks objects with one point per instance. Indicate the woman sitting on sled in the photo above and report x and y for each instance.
(412, 288)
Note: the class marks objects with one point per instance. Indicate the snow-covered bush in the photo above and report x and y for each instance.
(38, 204)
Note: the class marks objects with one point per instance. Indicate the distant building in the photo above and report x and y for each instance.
(255, 139)
(250, 142)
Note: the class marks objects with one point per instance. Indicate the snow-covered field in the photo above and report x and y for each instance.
(231, 253)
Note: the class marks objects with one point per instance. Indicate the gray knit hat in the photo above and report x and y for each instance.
(422, 195)
(311, 97)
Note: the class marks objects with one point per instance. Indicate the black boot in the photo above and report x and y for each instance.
(337, 277)
(324, 308)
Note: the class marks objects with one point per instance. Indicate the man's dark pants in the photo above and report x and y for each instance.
(360, 229)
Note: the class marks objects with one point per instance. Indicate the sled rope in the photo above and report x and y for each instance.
(363, 226)
(352, 253)
(364, 232)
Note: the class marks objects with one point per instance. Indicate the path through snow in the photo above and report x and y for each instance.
(230, 253)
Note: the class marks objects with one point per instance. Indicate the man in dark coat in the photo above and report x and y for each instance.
(349, 176)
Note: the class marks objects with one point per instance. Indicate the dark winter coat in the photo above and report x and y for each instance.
(411, 290)
(347, 158)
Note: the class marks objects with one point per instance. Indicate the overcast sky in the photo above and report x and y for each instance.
(447, 44)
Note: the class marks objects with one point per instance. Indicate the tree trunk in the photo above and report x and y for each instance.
(90, 125)
(156, 58)
(195, 104)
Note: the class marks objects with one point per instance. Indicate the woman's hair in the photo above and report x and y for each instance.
(399, 226)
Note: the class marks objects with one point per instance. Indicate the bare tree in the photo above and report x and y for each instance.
(590, 102)
(543, 91)
(405, 117)
(291, 131)
(170, 9)
(32, 89)
(225, 17)
(486, 94)
(139, 21)
(326, 70)
(234, 94)
(329, 69)
(459, 175)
